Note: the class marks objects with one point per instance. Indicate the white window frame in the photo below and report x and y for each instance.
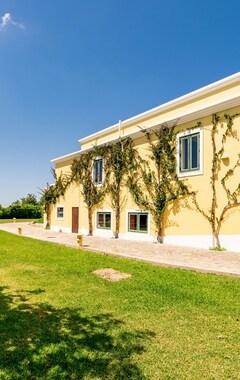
(59, 217)
(103, 212)
(192, 172)
(138, 233)
(98, 183)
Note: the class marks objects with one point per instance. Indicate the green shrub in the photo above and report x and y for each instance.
(19, 211)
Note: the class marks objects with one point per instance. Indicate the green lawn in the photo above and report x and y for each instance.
(59, 321)
(17, 220)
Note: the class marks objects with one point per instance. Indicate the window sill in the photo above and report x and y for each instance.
(137, 232)
(190, 173)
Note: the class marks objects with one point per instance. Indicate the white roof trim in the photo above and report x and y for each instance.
(66, 157)
(164, 107)
(181, 118)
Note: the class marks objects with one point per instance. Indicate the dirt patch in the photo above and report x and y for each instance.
(111, 274)
(25, 267)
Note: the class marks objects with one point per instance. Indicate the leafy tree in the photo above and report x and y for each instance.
(154, 184)
(17, 202)
(30, 199)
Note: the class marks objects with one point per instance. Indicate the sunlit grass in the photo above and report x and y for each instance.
(60, 321)
(19, 220)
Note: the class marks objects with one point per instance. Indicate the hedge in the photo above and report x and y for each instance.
(21, 212)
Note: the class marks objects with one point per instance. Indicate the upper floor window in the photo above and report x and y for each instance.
(60, 212)
(189, 153)
(98, 171)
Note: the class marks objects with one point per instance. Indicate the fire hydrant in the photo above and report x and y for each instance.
(80, 240)
(20, 230)
(14, 220)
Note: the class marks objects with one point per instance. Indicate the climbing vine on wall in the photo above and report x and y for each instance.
(82, 172)
(119, 159)
(214, 215)
(51, 193)
(153, 182)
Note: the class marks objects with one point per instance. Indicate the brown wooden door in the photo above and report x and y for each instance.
(75, 219)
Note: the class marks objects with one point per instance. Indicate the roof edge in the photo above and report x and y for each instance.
(66, 157)
(201, 112)
(165, 106)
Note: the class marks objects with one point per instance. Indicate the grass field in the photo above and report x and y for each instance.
(60, 321)
(18, 220)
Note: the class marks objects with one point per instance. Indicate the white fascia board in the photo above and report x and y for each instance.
(195, 115)
(164, 107)
(183, 118)
(66, 157)
(201, 112)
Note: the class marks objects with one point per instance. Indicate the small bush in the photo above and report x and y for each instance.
(217, 249)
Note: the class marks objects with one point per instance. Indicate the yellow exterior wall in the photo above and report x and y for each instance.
(181, 217)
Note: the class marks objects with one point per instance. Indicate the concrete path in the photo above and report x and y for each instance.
(225, 263)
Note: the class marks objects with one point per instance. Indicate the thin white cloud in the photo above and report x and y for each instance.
(8, 20)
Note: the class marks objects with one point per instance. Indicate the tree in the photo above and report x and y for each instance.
(81, 172)
(215, 216)
(154, 184)
(30, 199)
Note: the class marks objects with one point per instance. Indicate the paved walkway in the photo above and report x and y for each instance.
(225, 263)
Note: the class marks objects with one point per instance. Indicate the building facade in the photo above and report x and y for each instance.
(184, 224)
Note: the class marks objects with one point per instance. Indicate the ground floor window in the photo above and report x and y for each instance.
(138, 222)
(104, 220)
(60, 212)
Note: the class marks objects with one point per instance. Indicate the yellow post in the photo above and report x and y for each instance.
(80, 240)
(14, 220)
(20, 230)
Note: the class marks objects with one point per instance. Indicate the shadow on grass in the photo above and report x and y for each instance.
(42, 342)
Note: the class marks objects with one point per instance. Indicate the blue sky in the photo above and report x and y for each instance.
(69, 68)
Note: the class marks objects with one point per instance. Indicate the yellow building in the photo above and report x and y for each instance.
(183, 223)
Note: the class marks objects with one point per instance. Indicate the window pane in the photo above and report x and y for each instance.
(60, 212)
(143, 222)
(103, 220)
(107, 220)
(97, 171)
(184, 153)
(194, 152)
(100, 222)
(133, 222)
(100, 167)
